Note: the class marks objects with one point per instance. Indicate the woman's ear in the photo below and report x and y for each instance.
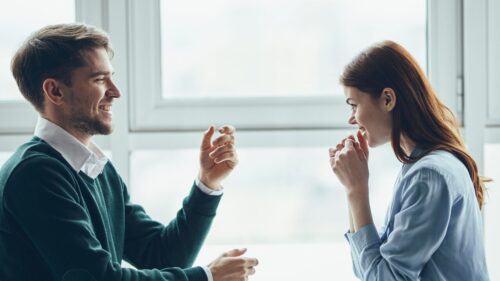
(52, 91)
(389, 98)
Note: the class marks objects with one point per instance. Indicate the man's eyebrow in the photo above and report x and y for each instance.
(99, 73)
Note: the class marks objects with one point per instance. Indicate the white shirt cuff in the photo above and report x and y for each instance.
(205, 189)
(208, 273)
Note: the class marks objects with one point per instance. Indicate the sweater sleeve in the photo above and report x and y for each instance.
(419, 228)
(42, 197)
(149, 244)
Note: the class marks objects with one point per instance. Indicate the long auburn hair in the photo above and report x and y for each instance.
(419, 114)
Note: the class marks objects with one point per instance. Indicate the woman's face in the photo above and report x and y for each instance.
(371, 115)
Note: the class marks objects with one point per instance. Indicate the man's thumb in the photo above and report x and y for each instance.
(206, 143)
(234, 252)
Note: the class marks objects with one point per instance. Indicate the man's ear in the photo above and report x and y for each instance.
(52, 91)
(389, 98)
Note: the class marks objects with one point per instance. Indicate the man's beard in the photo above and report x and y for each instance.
(89, 126)
(85, 124)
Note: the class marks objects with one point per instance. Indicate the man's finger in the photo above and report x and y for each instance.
(331, 151)
(234, 253)
(227, 129)
(221, 150)
(206, 142)
(226, 156)
(251, 271)
(225, 138)
(251, 262)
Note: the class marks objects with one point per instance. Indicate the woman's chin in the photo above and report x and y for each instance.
(372, 143)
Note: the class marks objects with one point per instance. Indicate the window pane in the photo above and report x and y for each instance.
(492, 209)
(277, 48)
(280, 203)
(18, 19)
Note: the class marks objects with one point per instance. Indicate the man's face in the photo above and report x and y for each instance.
(91, 95)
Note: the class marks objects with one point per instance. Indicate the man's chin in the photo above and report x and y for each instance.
(105, 130)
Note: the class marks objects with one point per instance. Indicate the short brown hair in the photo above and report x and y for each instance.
(54, 52)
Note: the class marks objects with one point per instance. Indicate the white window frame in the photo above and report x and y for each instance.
(493, 59)
(20, 114)
(151, 112)
(444, 60)
(142, 117)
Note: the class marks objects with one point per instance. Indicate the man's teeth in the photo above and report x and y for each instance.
(105, 107)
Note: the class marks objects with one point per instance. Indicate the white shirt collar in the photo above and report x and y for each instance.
(90, 160)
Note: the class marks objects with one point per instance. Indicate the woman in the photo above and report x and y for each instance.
(433, 228)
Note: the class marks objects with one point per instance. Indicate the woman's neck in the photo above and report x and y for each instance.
(408, 145)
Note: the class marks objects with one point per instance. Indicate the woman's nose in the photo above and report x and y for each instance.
(352, 120)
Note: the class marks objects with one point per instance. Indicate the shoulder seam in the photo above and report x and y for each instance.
(31, 158)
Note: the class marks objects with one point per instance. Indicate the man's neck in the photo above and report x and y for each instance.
(84, 138)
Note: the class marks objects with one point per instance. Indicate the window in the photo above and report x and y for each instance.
(280, 203)
(26, 16)
(492, 209)
(493, 56)
(271, 70)
(266, 65)
(280, 48)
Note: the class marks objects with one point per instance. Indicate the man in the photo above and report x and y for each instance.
(65, 213)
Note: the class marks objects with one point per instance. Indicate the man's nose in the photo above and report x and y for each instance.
(113, 91)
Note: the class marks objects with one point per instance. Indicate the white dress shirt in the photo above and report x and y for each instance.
(89, 160)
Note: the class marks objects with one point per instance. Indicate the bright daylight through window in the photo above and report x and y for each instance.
(277, 48)
(27, 16)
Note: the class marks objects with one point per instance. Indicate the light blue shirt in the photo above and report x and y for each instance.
(433, 228)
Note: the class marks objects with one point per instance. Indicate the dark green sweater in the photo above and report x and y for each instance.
(57, 224)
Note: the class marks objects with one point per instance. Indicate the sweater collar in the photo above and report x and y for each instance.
(89, 160)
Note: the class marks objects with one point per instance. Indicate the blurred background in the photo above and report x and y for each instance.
(271, 69)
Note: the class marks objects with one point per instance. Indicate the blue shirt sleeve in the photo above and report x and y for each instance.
(419, 227)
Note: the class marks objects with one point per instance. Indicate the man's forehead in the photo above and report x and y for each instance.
(97, 60)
